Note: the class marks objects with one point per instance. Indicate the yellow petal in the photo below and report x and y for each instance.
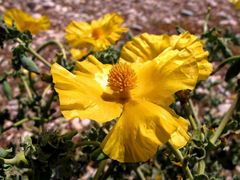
(97, 35)
(78, 54)
(159, 79)
(180, 137)
(195, 47)
(148, 47)
(142, 127)
(205, 69)
(81, 96)
(26, 22)
(144, 47)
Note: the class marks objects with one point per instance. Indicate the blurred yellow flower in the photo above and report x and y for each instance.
(78, 54)
(25, 21)
(97, 35)
(236, 3)
(138, 94)
(148, 47)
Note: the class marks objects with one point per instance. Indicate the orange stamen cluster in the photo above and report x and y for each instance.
(122, 78)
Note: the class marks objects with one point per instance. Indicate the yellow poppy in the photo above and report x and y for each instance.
(236, 3)
(97, 35)
(137, 94)
(25, 21)
(147, 47)
(78, 54)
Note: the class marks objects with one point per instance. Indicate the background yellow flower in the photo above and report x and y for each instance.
(97, 35)
(25, 22)
(138, 93)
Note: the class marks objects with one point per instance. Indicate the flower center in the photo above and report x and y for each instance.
(97, 33)
(122, 78)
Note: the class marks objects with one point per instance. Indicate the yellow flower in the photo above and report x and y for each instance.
(147, 47)
(78, 54)
(236, 3)
(98, 35)
(138, 94)
(25, 21)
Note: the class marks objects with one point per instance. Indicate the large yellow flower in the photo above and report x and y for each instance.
(25, 21)
(138, 94)
(147, 47)
(97, 35)
(236, 3)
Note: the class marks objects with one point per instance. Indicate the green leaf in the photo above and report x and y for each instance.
(7, 90)
(233, 70)
(5, 152)
(28, 64)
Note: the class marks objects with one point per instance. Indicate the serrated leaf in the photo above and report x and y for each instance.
(233, 70)
(28, 64)
(7, 90)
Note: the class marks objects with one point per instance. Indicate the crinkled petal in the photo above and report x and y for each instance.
(26, 22)
(180, 137)
(159, 79)
(142, 127)
(144, 47)
(195, 47)
(81, 96)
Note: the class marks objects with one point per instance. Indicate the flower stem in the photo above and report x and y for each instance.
(225, 120)
(226, 61)
(27, 87)
(44, 61)
(180, 157)
(53, 42)
(188, 112)
(16, 124)
(140, 173)
(100, 169)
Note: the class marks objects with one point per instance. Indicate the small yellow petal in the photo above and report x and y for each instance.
(25, 22)
(142, 127)
(78, 54)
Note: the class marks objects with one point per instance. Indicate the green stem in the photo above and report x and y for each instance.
(84, 143)
(44, 61)
(225, 120)
(16, 124)
(226, 61)
(205, 25)
(194, 113)
(180, 157)
(27, 87)
(53, 42)
(188, 112)
(100, 169)
(140, 174)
